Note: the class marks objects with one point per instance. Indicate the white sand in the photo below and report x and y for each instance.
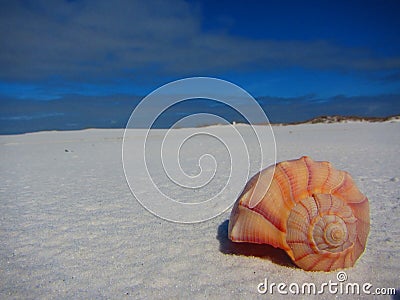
(70, 227)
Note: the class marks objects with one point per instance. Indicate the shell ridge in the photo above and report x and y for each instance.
(329, 174)
(305, 242)
(330, 203)
(340, 260)
(252, 187)
(330, 260)
(359, 242)
(258, 211)
(288, 179)
(300, 257)
(319, 208)
(282, 191)
(308, 212)
(308, 165)
(334, 189)
(314, 261)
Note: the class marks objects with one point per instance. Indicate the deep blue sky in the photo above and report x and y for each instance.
(76, 64)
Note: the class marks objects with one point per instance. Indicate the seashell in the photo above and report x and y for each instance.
(307, 208)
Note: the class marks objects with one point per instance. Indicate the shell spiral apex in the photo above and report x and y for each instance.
(307, 208)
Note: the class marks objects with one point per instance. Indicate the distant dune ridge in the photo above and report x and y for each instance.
(346, 119)
(335, 119)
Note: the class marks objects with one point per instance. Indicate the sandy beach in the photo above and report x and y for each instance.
(71, 229)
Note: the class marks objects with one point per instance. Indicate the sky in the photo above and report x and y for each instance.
(80, 64)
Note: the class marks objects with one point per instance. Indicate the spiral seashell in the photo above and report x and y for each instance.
(307, 208)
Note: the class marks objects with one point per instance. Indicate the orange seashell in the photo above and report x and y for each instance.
(307, 208)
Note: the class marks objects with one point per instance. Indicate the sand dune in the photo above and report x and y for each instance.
(70, 227)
